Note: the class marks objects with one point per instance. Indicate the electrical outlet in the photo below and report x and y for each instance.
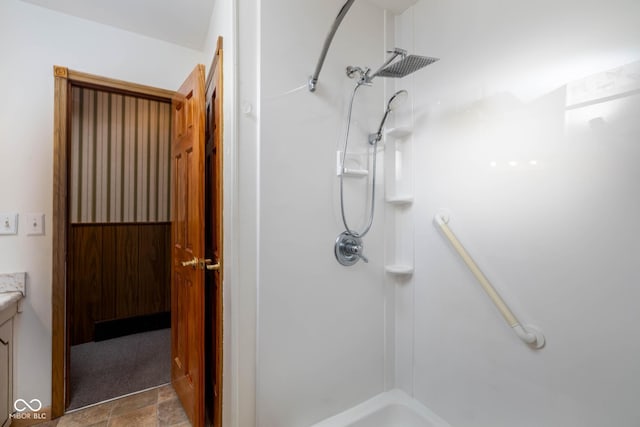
(8, 223)
(34, 224)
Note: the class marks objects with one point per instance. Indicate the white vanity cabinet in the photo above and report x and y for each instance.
(12, 291)
(6, 363)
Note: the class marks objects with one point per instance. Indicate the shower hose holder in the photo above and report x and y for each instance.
(348, 249)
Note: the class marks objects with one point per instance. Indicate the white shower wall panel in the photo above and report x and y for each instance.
(320, 324)
(543, 192)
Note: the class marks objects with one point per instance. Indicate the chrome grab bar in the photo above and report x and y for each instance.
(313, 80)
(531, 334)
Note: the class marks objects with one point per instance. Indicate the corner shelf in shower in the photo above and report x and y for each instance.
(399, 269)
(399, 195)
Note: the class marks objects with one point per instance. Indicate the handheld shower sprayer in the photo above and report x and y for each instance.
(395, 101)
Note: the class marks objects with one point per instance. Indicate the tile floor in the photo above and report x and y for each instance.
(158, 407)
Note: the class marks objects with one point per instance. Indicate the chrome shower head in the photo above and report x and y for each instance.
(406, 65)
(394, 102)
(397, 99)
(392, 67)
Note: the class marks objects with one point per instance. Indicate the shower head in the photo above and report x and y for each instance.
(394, 102)
(407, 65)
(397, 99)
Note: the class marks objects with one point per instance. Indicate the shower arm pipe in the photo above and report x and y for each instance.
(529, 334)
(394, 54)
(313, 80)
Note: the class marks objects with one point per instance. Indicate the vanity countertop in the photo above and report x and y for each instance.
(12, 290)
(8, 298)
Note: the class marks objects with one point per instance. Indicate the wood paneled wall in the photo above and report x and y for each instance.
(117, 271)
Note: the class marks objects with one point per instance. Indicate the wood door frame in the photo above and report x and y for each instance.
(64, 79)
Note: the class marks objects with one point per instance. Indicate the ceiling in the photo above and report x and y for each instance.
(184, 22)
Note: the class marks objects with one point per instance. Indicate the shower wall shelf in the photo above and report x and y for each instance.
(399, 133)
(358, 173)
(353, 160)
(399, 269)
(400, 200)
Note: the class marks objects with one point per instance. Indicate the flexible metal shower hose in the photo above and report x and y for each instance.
(373, 184)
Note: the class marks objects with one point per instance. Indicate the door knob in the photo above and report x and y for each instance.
(192, 263)
(210, 266)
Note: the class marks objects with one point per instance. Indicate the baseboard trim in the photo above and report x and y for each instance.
(25, 419)
(107, 329)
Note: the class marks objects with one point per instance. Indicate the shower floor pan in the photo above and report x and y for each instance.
(393, 408)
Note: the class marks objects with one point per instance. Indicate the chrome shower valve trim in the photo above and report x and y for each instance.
(348, 249)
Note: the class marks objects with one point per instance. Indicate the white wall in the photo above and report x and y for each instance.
(558, 238)
(240, 247)
(34, 39)
(320, 325)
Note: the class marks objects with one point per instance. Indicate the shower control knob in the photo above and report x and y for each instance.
(355, 249)
(348, 249)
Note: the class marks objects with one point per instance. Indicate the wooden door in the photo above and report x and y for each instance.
(187, 230)
(213, 242)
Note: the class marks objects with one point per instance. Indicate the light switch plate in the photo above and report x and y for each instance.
(8, 223)
(34, 224)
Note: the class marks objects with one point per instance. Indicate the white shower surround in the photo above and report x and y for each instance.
(494, 98)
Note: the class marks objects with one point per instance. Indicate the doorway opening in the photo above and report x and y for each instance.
(111, 239)
(119, 238)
